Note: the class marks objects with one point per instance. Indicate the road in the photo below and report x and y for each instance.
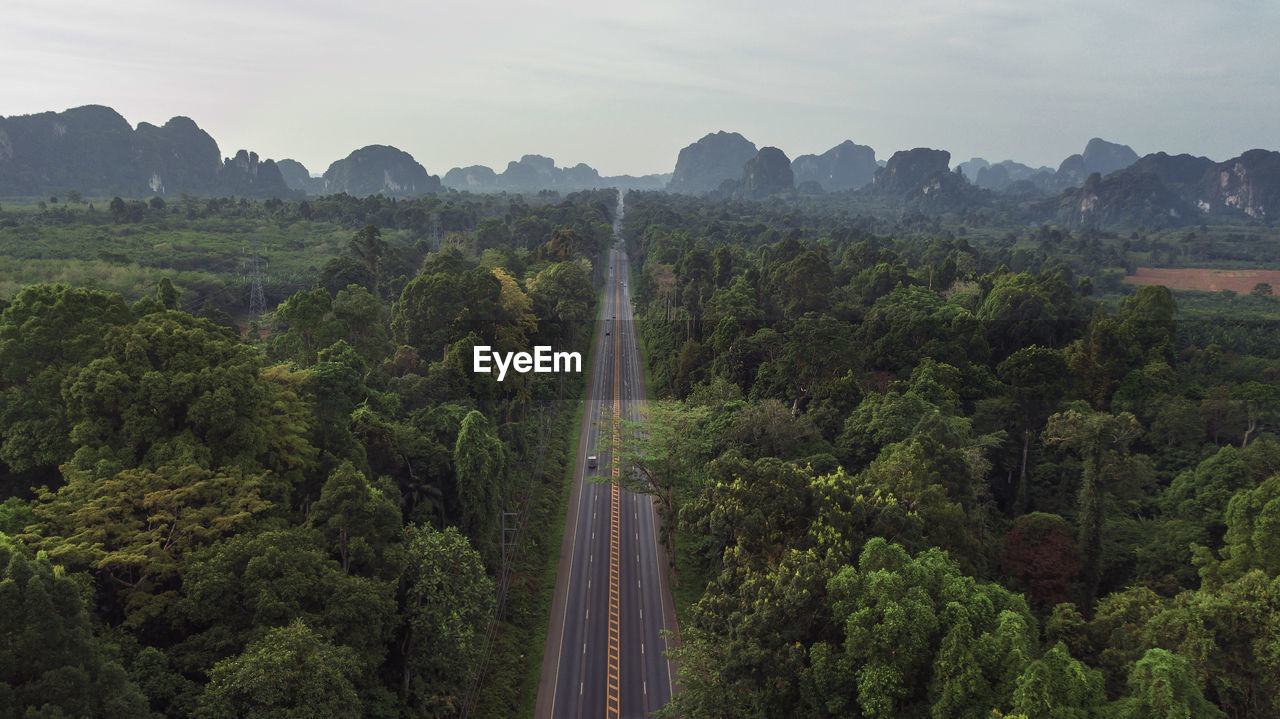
(588, 669)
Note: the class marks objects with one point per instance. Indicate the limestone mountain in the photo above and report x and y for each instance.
(94, 150)
(1002, 175)
(707, 163)
(475, 178)
(1099, 156)
(534, 173)
(1175, 171)
(298, 177)
(971, 167)
(178, 155)
(1248, 185)
(1123, 199)
(844, 167)
(921, 179)
(910, 172)
(246, 176)
(380, 169)
(768, 173)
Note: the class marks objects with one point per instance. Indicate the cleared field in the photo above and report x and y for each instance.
(1241, 281)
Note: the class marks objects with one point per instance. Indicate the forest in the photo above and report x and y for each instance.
(908, 465)
(299, 514)
(907, 475)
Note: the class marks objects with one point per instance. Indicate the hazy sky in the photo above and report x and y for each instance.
(623, 86)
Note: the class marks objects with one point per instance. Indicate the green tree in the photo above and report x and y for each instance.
(46, 332)
(663, 455)
(901, 618)
(447, 603)
(359, 523)
(310, 326)
(240, 588)
(166, 294)
(1057, 686)
(480, 460)
(1163, 685)
(136, 528)
(51, 664)
(168, 389)
(563, 301)
(290, 673)
(1036, 377)
(1102, 442)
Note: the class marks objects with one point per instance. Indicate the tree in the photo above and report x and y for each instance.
(359, 523)
(51, 664)
(1162, 685)
(1036, 377)
(309, 319)
(168, 389)
(364, 319)
(563, 301)
(370, 248)
(1040, 554)
(292, 672)
(901, 618)
(1102, 442)
(237, 590)
(663, 455)
(1262, 289)
(480, 460)
(166, 294)
(447, 602)
(1057, 686)
(45, 334)
(135, 529)
(1252, 539)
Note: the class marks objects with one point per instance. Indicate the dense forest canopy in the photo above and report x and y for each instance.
(305, 517)
(940, 474)
(908, 464)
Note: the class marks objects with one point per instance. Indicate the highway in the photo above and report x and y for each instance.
(604, 656)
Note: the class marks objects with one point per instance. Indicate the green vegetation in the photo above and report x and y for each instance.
(908, 465)
(952, 469)
(302, 522)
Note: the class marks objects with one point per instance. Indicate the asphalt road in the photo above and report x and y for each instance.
(575, 661)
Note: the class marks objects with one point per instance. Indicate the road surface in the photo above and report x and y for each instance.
(605, 658)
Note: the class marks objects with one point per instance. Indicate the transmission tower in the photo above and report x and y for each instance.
(257, 300)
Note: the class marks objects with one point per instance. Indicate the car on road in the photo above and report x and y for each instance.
(592, 461)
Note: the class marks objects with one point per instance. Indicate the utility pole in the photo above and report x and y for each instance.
(257, 299)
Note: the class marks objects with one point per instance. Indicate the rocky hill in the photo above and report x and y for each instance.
(1248, 185)
(768, 173)
(246, 176)
(1099, 156)
(1002, 175)
(534, 173)
(380, 169)
(298, 177)
(920, 179)
(94, 150)
(844, 167)
(707, 163)
(1177, 172)
(1123, 199)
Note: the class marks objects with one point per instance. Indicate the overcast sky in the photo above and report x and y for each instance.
(623, 86)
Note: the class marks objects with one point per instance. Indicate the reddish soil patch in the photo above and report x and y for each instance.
(1242, 281)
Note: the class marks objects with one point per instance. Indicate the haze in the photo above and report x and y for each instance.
(623, 87)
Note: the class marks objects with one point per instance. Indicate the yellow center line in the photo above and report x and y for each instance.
(613, 703)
